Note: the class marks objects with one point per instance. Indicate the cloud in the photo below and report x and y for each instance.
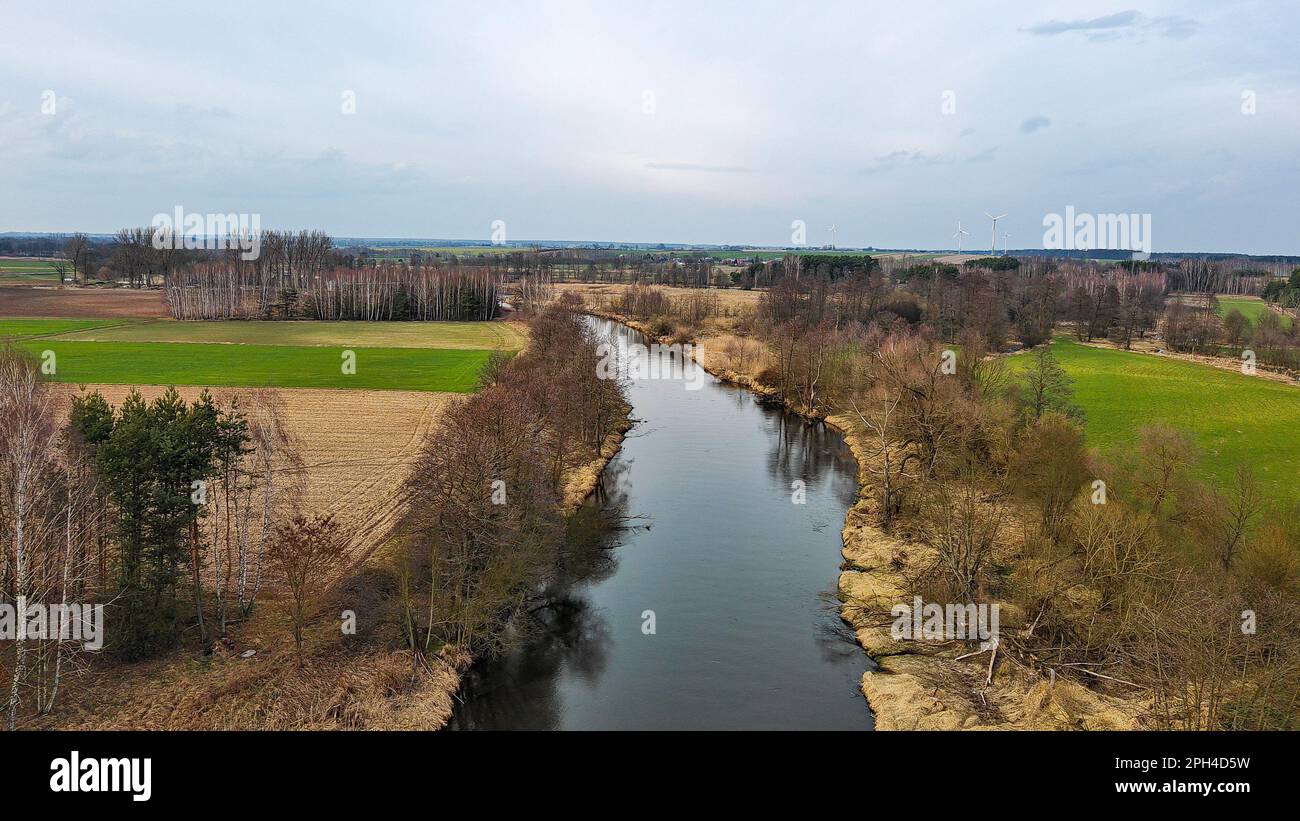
(1178, 28)
(898, 159)
(1123, 19)
(1113, 26)
(1032, 124)
(690, 166)
(917, 159)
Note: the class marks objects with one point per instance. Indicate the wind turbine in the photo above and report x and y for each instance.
(1006, 235)
(957, 236)
(832, 230)
(993, 245)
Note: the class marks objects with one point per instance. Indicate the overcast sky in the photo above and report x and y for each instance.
(658, 122)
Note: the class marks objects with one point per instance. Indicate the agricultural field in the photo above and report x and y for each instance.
(393, 356)
(17, 329)
(280, 366)
(729, 298)
(453, 335)
(1236, 419)
(81, 303)
(448, 250)
(357, 448)
(27, 271)
(1251, 308)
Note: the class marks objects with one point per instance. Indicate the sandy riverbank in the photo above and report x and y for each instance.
(921, 685)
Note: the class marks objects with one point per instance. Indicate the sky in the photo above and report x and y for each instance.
(692, 122)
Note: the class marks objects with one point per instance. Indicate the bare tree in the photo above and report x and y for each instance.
(74, 251)
(307, 554)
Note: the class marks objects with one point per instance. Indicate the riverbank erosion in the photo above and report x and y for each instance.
(921, 685)
(916, 684)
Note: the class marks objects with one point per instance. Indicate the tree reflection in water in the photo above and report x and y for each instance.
(561, 632)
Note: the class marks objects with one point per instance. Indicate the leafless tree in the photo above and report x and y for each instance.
(307, 554)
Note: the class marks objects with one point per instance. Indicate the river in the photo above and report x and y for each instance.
(702, 594)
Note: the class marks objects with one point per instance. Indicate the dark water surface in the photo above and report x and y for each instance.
(741, 581)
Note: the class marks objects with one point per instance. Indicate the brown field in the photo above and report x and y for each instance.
(81, 303)
(357, 449)
(729, 297)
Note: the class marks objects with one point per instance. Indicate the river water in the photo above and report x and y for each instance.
(701, 594)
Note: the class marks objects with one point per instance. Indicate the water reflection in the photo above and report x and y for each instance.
(695, 522)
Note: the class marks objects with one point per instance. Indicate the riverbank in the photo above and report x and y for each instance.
(921, 685)
(253, 680)
(583, 480)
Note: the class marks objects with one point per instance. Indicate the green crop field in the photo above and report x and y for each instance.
(1252, 309)
(464, 335)
(453, 250)
(424, 356)
(284, 366)
(20, 328)
(27, 265)
(19, 270)
(1236, 419)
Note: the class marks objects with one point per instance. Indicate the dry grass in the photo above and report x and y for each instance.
(344, 683)
(728, 297)
(358, 448)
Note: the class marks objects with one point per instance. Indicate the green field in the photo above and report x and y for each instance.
(418, 356)
(284, 366)
(19, 328)
(19, 271)
(1252, 309)
(463, 335)
(25, 264)
(1236, 419)
(449, 250)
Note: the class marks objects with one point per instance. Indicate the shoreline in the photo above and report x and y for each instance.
(579, 484)
(919, 685)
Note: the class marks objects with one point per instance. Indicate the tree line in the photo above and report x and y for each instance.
(486, 521)
(237, 290)
(166, 512)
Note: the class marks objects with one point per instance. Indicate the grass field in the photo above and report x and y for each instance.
(284, 366)
(1252, 309)
(452, 250)
(1236, 419)
(460, 335)
(20, 328)
(20, 271)
(129, 349)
